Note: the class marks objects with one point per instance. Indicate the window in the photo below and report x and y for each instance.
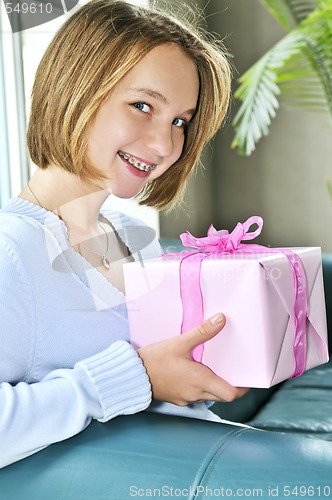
(14, 162)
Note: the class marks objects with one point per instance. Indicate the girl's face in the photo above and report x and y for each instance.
(139, 130)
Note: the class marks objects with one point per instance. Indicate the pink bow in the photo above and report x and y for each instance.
(222, 241)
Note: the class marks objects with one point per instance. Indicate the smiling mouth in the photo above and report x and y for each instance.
(138, 164)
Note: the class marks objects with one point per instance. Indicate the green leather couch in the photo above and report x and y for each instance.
(287, 454)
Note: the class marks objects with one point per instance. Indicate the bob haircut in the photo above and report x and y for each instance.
(88, 56)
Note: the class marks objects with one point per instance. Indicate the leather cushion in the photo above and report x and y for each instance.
(302, 405)
(140, 455)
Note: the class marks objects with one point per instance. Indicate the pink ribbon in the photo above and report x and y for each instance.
(222, 243)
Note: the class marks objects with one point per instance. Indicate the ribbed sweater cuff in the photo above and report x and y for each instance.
(120, 380)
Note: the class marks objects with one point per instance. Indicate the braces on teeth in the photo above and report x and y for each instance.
(137, 164)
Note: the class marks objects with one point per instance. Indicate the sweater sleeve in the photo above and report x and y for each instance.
(34, 415)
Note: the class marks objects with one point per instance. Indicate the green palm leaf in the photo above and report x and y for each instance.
(290, 12)
(317, 30)
(301, 88)
(297, 70)
(259, 91)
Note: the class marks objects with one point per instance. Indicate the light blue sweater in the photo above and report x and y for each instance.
(65, 356)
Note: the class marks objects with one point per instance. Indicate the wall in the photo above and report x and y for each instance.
(283, 181)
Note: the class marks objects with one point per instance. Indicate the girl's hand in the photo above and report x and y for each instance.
(176, 378)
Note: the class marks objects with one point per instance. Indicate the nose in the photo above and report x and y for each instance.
(160, 140)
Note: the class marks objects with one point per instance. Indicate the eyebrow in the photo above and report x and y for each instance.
(151, 93)
(158, 96)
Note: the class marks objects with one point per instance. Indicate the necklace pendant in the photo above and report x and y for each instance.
(106, 262)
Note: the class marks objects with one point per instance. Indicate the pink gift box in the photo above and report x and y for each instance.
(255, 291)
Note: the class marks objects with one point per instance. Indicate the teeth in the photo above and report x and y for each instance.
(137, 164)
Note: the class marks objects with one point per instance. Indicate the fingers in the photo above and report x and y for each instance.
(204, 331)
(215, 388)
(176, 378)
(224, 392)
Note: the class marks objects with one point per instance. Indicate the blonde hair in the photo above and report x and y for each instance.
(88, 56)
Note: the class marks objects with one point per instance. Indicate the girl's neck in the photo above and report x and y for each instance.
(67, 196)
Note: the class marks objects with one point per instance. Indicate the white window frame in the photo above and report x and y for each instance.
(14, 169)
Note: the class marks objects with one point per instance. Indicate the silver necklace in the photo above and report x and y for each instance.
(104, 259)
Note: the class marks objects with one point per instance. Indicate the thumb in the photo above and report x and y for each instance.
(204, 331)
